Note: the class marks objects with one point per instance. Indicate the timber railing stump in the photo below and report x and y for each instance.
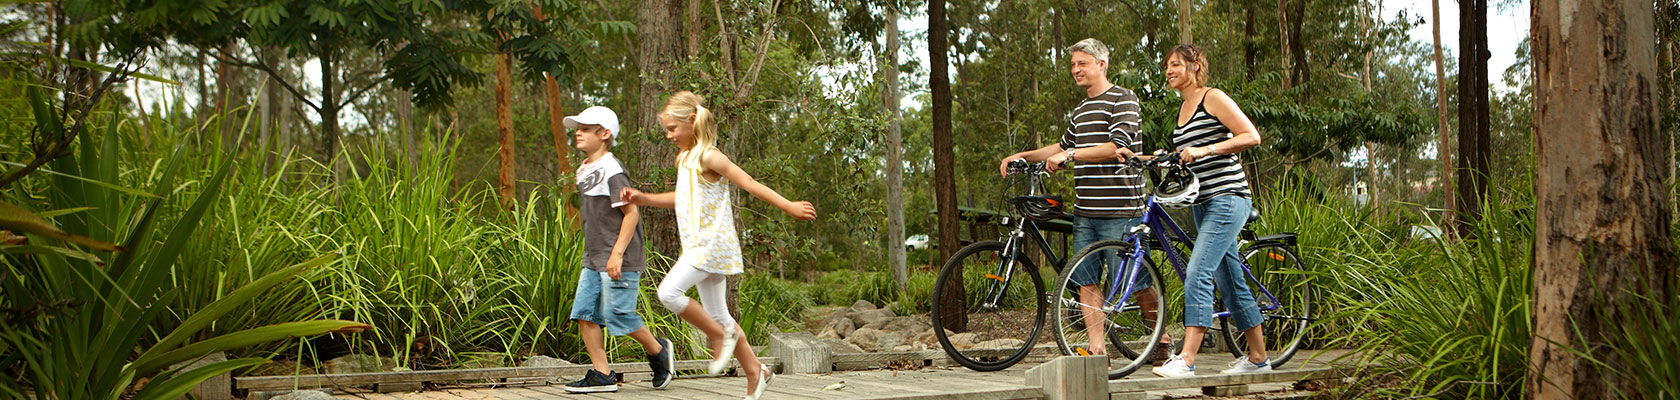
(800, 353)
(1071, 378)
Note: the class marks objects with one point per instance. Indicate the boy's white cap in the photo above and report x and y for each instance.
(597, 115)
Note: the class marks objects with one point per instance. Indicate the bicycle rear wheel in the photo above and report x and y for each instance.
(1131, 325)
(1286, 324)
(997, 316)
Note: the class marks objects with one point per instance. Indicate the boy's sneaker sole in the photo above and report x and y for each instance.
(592, 389)
(670, 373)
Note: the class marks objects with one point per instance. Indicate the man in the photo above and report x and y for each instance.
(1107, 203)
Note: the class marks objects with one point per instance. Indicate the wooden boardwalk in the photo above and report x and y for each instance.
(932, 382)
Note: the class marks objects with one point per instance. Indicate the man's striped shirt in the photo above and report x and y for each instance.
(1101, 188)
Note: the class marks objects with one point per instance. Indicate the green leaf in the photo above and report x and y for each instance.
(203, 318)
(242, 339)
(179, 384)
(35, 249)
(109, 69)
(135, 192)
(17, 219)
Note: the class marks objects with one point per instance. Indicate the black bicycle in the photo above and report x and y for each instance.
(997, 322)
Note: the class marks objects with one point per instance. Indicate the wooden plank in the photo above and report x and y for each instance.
(453, 375)
(1147, 384)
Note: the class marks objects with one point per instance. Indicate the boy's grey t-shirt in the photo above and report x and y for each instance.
(600, 182)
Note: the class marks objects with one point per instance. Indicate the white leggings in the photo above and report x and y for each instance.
(673, 292)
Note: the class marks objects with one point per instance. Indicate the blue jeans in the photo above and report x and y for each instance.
(1215, 263)
(1087, 231)
(607, 302)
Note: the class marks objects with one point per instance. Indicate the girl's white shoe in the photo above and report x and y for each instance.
(1243, 366)
(1175, 368)
(763, 382)
(721, 359)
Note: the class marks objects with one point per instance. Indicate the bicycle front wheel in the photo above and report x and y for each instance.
(1091, 300)
(990, 305)
(1287, 313)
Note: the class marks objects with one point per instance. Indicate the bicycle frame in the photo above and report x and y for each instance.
(1160, 226)
(1014, 247)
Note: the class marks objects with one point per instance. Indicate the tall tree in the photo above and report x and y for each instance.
(504, 131)
(1444, 149)
(895, 163)
(659, 46)
(1474, 142)
(1184, 28)
(556, 124)
(944, 161)
(1602, 207)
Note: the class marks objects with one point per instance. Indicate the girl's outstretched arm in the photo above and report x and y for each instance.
(636, 197)
(718, 163)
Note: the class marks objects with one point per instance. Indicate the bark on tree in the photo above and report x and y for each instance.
(228, 93)
(1602, 210)
(1449, 218)
(1474, 143)
(1184, 30)
(504, 132)
(944, 178)
(1283, 43)
(556, 123)
(895, 163)
(329, 109)
(658, 48)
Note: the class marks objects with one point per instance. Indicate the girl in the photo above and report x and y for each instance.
(1211, 131)
(710, 249)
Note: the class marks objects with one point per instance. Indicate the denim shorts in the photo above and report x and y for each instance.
(614, 307)
(1087, 231)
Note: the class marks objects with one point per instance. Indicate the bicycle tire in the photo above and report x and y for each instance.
(977, 318)
(1286, 328)
(1129, 330)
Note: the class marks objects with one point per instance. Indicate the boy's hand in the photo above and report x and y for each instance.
(631, 196)
(615, 267)
(802, 210)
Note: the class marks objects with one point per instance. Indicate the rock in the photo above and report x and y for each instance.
(1006, 343)
(908, 325)
(865, 338)
(842, 326)
(495, 360)
(888, 340)
(360, 363)
(864, 318)
(829, 333)
(963, 341)
(544, 361)
(911, 347)
(306, 394)
(927, 337)
(861, 305)
(841, 346)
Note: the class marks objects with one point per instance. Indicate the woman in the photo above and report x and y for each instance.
(1211, 131)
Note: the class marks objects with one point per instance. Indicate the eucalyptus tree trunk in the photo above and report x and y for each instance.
(504, 132)
(944, 161)
(1444, 150)
(1184, 29)
(1602, 244)
(659, 45)
(895, 163)
(556, 123)
(1474, 143)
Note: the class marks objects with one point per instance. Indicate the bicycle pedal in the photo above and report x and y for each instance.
(1081, 351)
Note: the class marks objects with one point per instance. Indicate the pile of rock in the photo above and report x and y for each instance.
(863, 327)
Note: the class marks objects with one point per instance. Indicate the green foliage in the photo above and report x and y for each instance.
(82, 328)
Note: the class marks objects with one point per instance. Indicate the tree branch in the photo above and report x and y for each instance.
(363, 90)
(744, 89)
(271, 74)
(60, 146)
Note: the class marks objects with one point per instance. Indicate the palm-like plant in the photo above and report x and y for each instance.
(80, 316)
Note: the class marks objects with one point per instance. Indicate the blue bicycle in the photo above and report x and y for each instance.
(1128, 296)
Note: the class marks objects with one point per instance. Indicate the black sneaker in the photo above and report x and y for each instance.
(661, 365)
(593, 382)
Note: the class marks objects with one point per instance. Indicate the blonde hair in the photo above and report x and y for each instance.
(1192, 56)
(684, 104)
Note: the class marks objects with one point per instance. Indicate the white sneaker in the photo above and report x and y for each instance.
(721, 360)
(1243, 366)
(763, 382)
(1175, 368)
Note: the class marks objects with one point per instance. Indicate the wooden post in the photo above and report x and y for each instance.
(1071, 377)
(219, 387)
(801, 353)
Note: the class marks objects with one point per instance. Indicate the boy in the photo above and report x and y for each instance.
(613, 258)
